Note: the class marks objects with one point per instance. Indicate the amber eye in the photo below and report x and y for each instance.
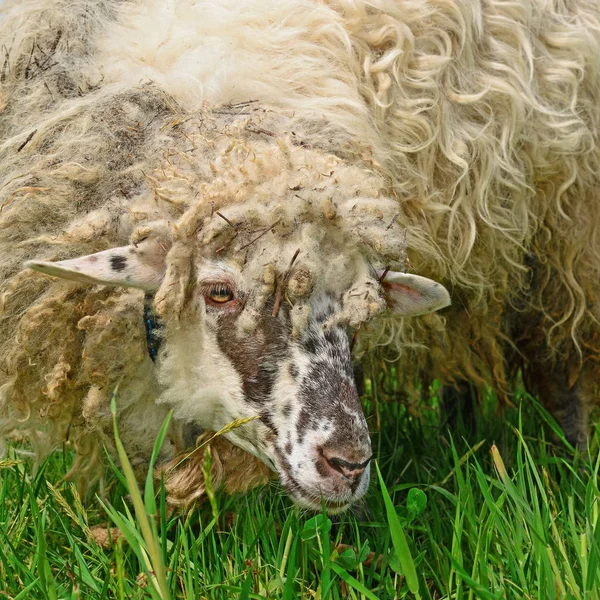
(220, 293)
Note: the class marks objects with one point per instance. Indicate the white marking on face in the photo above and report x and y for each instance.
(202, 386)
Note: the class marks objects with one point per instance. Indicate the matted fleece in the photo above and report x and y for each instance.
(478, 168)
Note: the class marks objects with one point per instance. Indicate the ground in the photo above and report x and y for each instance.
(495, 512)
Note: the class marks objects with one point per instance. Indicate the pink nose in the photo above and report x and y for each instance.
(347, 466)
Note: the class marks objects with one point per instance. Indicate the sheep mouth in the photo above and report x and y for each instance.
(311, 499)
(315, 504)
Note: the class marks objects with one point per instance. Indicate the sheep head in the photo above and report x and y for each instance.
(277, 349)
(276, 258)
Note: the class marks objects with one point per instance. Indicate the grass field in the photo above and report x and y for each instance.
(492, 513)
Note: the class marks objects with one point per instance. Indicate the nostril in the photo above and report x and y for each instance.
(334, 463)
(348, 468)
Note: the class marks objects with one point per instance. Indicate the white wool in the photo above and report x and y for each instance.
(282, 53)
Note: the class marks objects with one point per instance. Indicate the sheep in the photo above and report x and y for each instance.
(199, 202)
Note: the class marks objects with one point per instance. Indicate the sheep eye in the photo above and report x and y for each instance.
(219, 294)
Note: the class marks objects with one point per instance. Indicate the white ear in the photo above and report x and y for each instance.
(141, 266)
(411, 295)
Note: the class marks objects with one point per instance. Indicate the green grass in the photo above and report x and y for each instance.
(495, 513)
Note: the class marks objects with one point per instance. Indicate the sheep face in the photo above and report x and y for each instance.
(228, 356)
(310, 425)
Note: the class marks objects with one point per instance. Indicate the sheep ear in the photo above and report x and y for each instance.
(140, 266)
(410, 295)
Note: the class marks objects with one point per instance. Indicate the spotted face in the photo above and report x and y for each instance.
(310, 426)
(285, 363)
(322, 450)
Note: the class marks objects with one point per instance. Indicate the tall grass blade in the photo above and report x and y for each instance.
(157, 575)
(399, 539)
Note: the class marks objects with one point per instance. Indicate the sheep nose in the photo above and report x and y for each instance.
(350, 469)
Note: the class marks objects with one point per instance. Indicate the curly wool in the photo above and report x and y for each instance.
(479, 121)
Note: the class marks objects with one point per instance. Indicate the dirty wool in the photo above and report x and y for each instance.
(303, 141)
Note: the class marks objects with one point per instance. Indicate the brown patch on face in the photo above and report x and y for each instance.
(321, 467)
(256, 356)
(271, 434)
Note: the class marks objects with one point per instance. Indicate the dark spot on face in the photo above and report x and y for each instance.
(285, 464)
(293, 371)
(286, 410)
(265, 417)
(288, 448)
(118, 262)
(310, 344)
(332, 336)
(321, 467)
(305, 421)
(354, 484)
